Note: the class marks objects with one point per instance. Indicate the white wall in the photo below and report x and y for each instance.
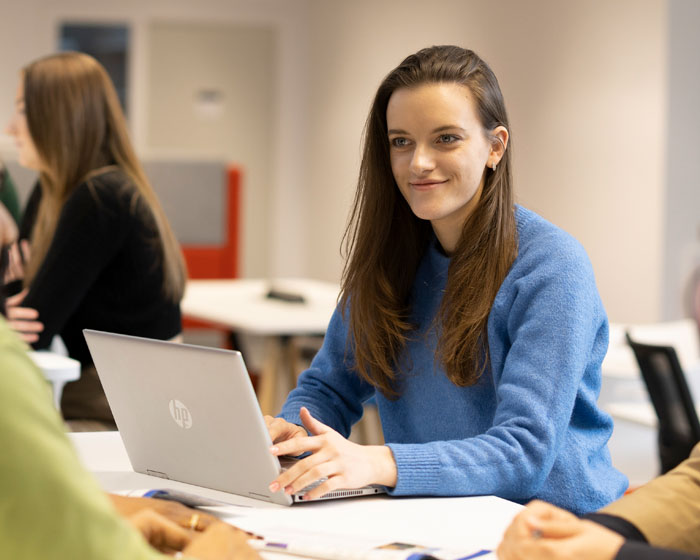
(585, 86)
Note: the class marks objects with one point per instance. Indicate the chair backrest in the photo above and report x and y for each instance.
(679, 428)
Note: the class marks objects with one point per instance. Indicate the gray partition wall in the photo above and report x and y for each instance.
(192, 194)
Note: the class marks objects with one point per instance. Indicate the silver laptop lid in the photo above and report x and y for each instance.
(187, 413)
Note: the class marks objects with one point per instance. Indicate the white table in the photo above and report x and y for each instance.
(57, 369)
(241, 305)
(468, 524)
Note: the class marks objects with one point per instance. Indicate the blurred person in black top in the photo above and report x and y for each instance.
(101, 253)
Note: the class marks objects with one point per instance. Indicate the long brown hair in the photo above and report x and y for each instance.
(78, 128)
(385, 241)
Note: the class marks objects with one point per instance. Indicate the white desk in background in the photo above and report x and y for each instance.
(241, 305)
(57, 369)
(468, 524)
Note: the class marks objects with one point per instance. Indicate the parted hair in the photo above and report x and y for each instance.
(384, 241)
(78, 128)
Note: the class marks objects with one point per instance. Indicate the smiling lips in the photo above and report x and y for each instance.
(426, 184)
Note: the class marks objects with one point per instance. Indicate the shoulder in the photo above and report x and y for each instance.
(110, 193)
(543, 245)
(110, 185)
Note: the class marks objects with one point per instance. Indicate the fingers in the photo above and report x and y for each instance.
(159, 531)
(182, 515)
(23, 320)
(15, 265)
(549, 521)
(281, 430)
(16, 299)
(302, 474)
(22, 313)
(174, 511)
(310, 423)
(222, 542)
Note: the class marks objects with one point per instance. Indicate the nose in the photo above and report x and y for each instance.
(422, 160)
(11, 128)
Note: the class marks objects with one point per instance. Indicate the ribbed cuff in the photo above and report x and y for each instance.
(417, 469)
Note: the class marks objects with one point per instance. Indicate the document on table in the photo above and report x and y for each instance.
(381, 528)
(327, 546)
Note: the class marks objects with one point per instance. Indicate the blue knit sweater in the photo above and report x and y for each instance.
(530, 427)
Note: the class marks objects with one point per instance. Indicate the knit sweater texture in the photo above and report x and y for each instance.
(103, 269)
(530, 427)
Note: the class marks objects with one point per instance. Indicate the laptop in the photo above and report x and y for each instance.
(189, 413)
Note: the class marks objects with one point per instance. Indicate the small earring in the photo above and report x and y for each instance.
(493, 166)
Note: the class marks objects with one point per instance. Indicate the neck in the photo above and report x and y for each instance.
(448, 230)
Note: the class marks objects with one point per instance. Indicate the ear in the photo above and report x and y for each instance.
(499, 143)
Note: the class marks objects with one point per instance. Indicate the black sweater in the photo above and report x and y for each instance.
(103, 269)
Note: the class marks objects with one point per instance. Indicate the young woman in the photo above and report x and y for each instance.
(103, 255)
(475, 323)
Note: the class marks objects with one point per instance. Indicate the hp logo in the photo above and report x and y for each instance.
(180, 414)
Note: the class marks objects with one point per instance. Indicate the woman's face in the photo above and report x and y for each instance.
(439, 154)
(19, 130)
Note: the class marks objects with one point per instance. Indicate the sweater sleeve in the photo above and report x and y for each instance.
(91, 228)
(329, 389)
(636, 546)
(667, 509)
(543, 326)
(641, 551)
(51, 507)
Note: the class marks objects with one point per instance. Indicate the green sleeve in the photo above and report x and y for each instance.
(8, 195)
(50, 506)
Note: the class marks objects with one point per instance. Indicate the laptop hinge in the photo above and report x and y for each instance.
(157, 473)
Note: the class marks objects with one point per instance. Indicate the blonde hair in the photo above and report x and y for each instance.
(78, 128)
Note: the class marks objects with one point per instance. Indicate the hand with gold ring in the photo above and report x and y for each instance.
(194, 521)
(177, 513)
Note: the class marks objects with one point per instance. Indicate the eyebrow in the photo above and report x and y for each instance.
(438, 129)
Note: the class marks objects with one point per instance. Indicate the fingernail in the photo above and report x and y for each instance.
(274, 449)
(289, 490)
(274, 487)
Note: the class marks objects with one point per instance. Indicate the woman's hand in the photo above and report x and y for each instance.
(281, 430)
(8, 227)
(221, 542)
(546, 532)
(161, 533)
(24, 320)
(343, 463)
(218, 541)
(174, 511)
(18, 254)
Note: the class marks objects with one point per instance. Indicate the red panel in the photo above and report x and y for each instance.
(219, 261)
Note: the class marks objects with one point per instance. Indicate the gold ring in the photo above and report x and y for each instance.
(194, 521)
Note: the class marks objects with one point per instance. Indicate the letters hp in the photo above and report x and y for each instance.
(180, 414)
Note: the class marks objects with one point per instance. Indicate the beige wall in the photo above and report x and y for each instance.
(585, 83)
(236, 62)
(585, 86)
(30, 29)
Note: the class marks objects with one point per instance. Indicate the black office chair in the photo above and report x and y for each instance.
(679, 428)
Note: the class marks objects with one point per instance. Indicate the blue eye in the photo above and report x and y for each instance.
(447, 138)
(399, 142)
